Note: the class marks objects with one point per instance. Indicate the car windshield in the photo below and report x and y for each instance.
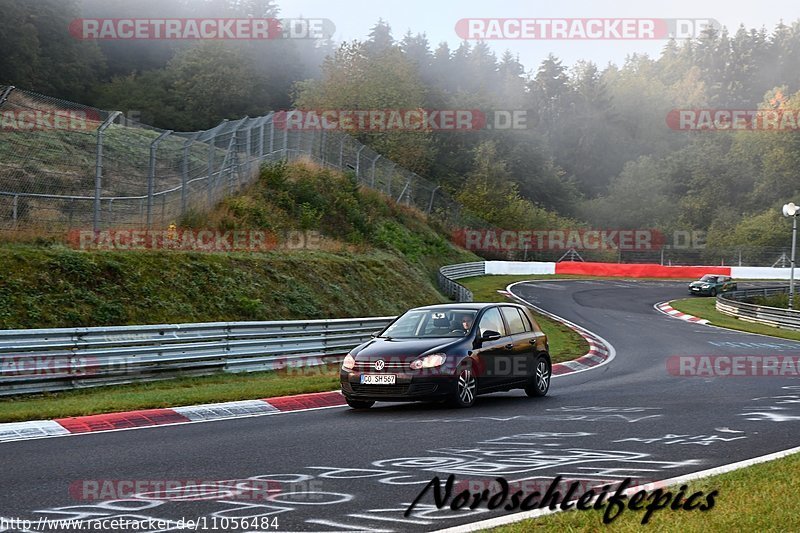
(425, 323)
(708, 277)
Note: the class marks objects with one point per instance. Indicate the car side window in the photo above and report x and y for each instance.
(514, 321)
(491, 321)
(525, 322)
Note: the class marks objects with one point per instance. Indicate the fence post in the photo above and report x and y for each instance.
(151, 175)
(358, 162)
(271, 133)
(341, 151)
(185, 170)
(6, 92)
(261, 138)
(98, 168)
(433, 194)
(373, 170)
(15, 201)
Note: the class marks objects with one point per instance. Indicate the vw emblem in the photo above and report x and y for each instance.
(379, 364)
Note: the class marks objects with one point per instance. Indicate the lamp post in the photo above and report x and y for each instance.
(791, 210)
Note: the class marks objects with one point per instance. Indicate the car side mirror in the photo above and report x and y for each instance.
(490, 335)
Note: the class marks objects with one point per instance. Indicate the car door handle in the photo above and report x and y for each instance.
(509, 346)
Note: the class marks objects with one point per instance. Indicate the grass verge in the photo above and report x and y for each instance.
(169, 393)
(758, 498)
(565, 344)
(704, 308)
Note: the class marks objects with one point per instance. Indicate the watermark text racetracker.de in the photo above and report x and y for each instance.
(554, 240)
(783, 119)
(709, 366)
(249, 29)
(591, 29)
(411, 120)
(184, 239)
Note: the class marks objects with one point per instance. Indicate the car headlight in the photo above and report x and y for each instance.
(349, 362)
(429, 361)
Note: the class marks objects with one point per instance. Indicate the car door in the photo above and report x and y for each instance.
(516, 361)
(491, 352)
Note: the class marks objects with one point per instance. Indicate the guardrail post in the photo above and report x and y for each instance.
(98, 168)
(151, 175)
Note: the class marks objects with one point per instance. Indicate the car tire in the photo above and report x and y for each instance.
(539, 382)
(360, 404)
(714, 291)
(466, 387)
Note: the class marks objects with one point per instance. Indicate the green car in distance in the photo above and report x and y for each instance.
(711, 284)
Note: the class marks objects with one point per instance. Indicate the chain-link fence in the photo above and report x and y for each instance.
(65, 166)
(68, 166)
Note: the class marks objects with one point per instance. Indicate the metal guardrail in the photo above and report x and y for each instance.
(42, 360)
(730, 303)
(449, 273)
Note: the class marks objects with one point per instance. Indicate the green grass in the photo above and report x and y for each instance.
(169, 393)
(704, 308)
(565, 344)
(758, 498)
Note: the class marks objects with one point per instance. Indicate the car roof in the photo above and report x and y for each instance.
(477, 306)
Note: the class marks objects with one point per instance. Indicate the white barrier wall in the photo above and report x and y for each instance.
(761, 273)
(519, 267)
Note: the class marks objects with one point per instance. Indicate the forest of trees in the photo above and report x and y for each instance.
(598, 150)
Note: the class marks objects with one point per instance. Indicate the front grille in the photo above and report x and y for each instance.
(380, 390)
(402, 389)
(389, 365)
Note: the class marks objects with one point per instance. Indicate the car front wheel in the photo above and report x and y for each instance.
(466, 387)
(539, 382)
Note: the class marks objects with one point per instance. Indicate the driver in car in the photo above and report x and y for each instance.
(466, 324)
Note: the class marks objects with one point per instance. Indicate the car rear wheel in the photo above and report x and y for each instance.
(466, 387)
(713, 292)
(359, 404)
(539, 383)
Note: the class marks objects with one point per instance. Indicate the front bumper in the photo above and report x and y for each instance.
(699, 290)
(407, 388)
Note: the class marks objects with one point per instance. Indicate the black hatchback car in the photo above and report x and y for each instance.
(450, 352)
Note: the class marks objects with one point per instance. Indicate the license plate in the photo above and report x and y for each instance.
(378, 379)
(695, 289)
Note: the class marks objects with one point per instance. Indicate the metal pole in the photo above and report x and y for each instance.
(341, 151)
(98, 169)
(791, 273)
(286, 137)
(271, 133)
(6, 92)
(358, 162)
(14, 208)
(373, 170)
(433, 194)
(151, 176)
(185, 170)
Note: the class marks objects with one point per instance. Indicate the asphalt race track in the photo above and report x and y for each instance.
(337, 469)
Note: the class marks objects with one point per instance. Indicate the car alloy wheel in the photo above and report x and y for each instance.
(466, 387)
(540, 382)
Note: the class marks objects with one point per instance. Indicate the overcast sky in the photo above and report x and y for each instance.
(437, 18)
